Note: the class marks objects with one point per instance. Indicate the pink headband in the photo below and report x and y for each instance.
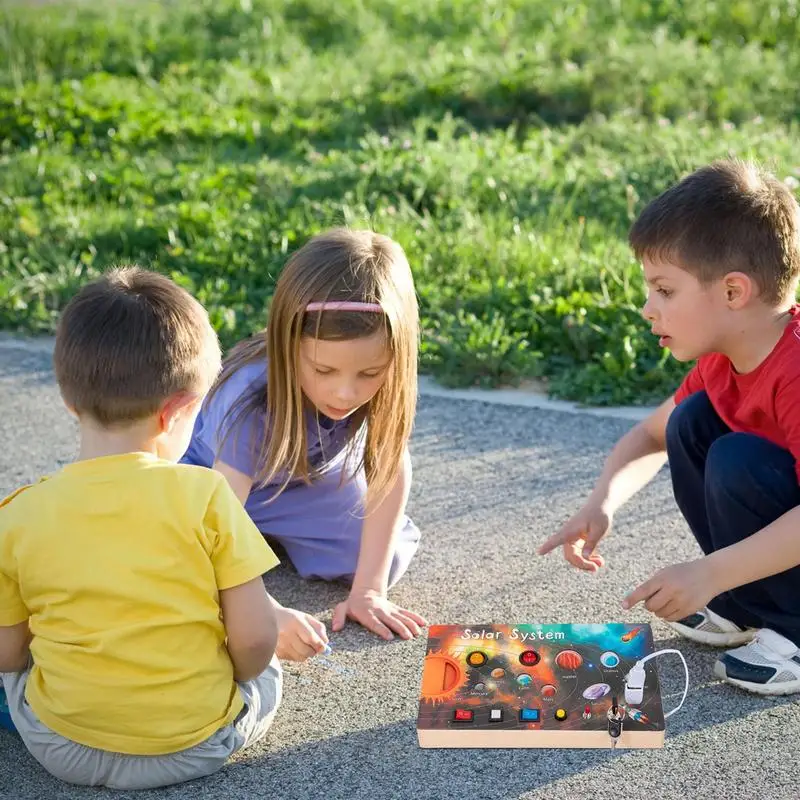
(344, 305)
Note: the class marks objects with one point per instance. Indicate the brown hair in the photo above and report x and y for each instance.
(728, 216)
(128, 341)
(341, 264)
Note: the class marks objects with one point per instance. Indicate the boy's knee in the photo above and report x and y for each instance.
(740, 464)
(726, 464)
(687, 418)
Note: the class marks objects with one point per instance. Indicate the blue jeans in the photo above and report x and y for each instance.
(729, 486)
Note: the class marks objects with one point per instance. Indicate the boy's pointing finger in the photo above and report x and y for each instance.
(640, 594)
(556, 540)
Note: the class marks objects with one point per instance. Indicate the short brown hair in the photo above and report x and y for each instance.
(128, 341)
(728, 216)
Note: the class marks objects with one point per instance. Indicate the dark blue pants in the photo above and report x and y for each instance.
(729, 486)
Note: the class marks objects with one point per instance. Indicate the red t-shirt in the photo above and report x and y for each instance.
(766, 401)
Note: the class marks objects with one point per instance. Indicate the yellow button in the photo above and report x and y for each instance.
(561, 714)
(476, 659)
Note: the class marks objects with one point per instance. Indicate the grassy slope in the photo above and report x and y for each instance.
(506, 145)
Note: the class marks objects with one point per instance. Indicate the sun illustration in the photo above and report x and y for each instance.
(441, 677)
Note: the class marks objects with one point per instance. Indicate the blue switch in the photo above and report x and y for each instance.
(529, 715)
(5, 717)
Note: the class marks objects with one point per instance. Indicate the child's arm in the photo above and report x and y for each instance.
(300, 635)
(679, 590)
(773, 549)
(633, 462)
(240, 557)
(380, 527)
(14, 647)
(367, 601)
(239, 482)
(250, 626)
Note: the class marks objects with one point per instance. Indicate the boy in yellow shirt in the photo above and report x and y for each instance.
(136, 636)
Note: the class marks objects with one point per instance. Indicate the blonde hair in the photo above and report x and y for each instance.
(339, 265)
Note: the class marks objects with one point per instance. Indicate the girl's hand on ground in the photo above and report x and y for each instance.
(377, 614)
(300, 635)
(579, 536)
(675, 592)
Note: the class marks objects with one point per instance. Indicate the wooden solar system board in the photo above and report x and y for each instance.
(536, 686)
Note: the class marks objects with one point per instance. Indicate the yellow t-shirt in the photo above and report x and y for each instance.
(117, 562)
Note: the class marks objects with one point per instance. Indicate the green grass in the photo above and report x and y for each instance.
(506, 145)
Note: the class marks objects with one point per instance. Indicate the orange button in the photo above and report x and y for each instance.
(476, 659)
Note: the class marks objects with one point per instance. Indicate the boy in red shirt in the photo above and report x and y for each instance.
(721, 256)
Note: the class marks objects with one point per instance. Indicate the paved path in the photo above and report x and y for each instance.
(490, 483)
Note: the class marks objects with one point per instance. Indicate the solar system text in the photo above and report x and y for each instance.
(514, 634)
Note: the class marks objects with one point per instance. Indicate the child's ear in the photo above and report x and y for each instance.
(70, 408)
(739, 290)
(175, 406)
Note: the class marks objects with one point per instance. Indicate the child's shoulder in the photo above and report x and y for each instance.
(193, 479)
(23, 505)
(200, 488)
(245, 380)
(248, 376)
(22, 497)
(787, 353)
(793, 329)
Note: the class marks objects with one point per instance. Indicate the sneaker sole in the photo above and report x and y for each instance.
(713, 639)
(766, 689)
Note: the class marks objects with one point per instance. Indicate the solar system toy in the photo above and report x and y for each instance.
(504, 686)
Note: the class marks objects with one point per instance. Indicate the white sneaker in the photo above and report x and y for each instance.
(769, 665)
(708, 627)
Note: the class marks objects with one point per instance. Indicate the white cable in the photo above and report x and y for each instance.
(638, 685)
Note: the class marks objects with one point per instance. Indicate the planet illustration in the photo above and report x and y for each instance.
(498, 672)
(441, 677)
(596, 691)
(524, 680)
(609, 660)
(569, 659)
(548, 690)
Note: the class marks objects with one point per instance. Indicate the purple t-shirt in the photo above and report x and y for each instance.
(300, 511)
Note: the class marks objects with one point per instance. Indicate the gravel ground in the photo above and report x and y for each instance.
(490, 483)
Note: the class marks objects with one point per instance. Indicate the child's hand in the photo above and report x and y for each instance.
(300, 635)
(378, 615)
(675, 592)
(579, 537)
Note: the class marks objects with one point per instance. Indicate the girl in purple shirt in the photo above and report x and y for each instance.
(310, 419)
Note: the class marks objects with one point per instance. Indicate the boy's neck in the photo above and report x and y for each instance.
(98, 442)
(750, 345)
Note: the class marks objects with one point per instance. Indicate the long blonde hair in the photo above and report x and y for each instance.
(340, 264)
